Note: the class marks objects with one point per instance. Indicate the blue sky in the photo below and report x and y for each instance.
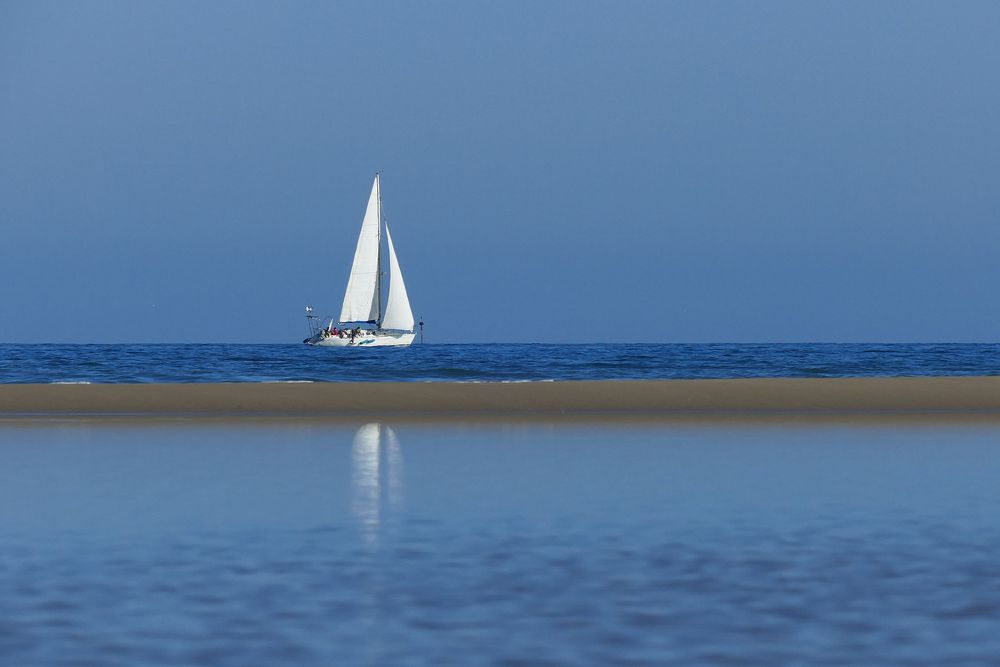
(555, 172)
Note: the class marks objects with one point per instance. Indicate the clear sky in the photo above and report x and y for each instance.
(554, 171)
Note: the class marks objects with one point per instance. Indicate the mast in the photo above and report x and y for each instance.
(378, 265)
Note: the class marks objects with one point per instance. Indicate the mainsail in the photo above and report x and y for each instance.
(398, 315)
(361, 302)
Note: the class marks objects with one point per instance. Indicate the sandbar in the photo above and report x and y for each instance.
(755, 396)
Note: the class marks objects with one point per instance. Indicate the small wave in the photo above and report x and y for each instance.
(521, 381)
(485, 381)
(71, 382)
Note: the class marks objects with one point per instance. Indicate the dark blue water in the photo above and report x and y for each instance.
(489, 363)
(318, 543)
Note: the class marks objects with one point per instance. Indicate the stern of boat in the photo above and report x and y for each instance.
(319, 340)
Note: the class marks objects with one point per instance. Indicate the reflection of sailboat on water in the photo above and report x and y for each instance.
(377, 476)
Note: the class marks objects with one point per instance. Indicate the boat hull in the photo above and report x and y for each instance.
(373, 339)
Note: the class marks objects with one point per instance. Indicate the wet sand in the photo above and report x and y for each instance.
(763, 396)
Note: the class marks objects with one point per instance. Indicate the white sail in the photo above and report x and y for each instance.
(361, 302)
(398, 315)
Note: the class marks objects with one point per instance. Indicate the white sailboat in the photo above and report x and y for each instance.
(363, 320)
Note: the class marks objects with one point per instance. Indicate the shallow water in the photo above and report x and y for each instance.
(324, 543)
(484, 363)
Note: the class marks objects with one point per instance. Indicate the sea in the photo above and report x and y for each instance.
(129, 363)
(318, 543)
(367, 541)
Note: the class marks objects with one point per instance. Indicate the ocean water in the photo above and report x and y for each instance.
(332, 543)
(489, 363)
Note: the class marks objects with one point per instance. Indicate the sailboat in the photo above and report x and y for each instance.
(364, 322)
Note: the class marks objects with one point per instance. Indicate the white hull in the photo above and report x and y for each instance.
(366, 339)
